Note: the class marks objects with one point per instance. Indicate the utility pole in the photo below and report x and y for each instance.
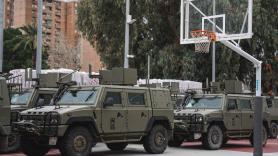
(1, 33)
(39, 39)
(213, 46)
(129, 21)
(126, 61)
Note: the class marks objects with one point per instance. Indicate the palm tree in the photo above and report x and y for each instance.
(28, 40)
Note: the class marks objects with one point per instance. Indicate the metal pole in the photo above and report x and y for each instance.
(126, 62)
(149, 72)
(213, 46)
(39, 39)
(1, 33)
(257, 137)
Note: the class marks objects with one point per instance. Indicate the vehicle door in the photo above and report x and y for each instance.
(138, 110)
(5, 108)
(247, 113)
(232, 116)
(113, 116)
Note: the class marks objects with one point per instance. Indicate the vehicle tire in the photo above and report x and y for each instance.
(31, 148)
(117, 146)
(273, 131)
(176, 142)
(77, 141)
(265, 137)
(13, 144)
(213, 139)
(157, 140)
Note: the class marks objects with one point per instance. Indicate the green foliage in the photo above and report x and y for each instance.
(156, 32)
(20, 48)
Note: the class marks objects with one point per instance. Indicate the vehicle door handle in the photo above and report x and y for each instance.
(119, 115)
(237, 116)
(143, 115)
(251, 116)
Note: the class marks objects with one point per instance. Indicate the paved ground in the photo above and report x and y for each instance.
(233, 148)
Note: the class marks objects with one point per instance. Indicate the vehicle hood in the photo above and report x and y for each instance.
(60, 110)
(188, 112)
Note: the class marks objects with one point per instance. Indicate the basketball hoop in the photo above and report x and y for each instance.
(202, 46)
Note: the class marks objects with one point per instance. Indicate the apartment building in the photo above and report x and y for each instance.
(59, 23)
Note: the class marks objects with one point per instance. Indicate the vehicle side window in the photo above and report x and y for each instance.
(232, 104)
(113, 98)
(44, 99)
(136, 99)
(244, 104)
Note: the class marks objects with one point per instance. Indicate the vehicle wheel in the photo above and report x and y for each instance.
(264, 142)
(78, 141)
(176, 142)
(213, 140)
(274, 131)
(156, 141)
(117, 146)
(13, 144)
(31, 148)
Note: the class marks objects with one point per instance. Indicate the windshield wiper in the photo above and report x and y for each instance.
(93, 93)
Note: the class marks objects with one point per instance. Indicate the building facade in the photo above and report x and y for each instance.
(59, 23)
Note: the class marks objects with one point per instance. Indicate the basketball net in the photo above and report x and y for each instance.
(200, 35)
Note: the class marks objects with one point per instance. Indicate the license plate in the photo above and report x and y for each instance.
(197, 136)
(52, 141)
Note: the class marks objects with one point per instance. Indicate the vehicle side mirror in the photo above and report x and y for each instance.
(108, 102)
(231, 106)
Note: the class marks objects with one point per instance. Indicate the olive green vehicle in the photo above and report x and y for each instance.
(216, 118)
(5, 111)
(113, 114)
(40, 95)
(271, 106)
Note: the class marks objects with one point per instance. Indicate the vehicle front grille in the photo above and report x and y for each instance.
(38, 119)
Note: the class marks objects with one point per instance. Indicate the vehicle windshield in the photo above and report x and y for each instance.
(72, 97)
(20, 98)
(207, 103)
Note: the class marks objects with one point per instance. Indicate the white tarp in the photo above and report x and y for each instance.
(82, 78)
(184, 85)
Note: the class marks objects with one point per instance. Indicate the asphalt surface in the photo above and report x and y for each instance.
(233, 148)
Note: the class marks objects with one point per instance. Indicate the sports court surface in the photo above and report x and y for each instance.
(233, 148)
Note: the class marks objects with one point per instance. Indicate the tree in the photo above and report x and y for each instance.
(17, 53)
(156, 31)
(64, 56)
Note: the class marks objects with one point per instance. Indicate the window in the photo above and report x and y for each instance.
(113, 98)
(136, 98)
(78, 97)
(206, 103)
(232, 104)
(244, 104)
(20, 98)
(44, 99)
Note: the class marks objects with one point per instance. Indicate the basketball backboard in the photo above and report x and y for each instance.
(231, 20)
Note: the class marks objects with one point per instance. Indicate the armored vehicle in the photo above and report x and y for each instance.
(113, 114)
(216, 118)
(40, 95)
(271, 106)
(5, 111)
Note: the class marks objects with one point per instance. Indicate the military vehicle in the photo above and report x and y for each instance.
(216, 118)
(271, 106)
(40, 95)
(114, 114)
(5, 111)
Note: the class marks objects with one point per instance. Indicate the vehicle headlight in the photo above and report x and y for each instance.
(52, 118)
(200, 119)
